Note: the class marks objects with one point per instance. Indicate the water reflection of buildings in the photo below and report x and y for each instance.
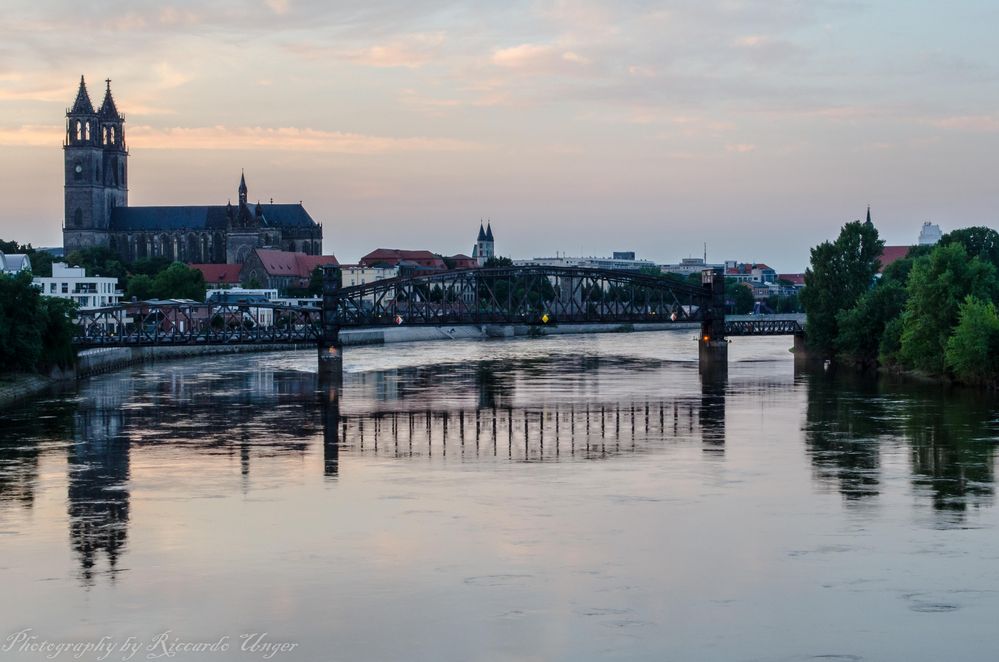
(526, 410)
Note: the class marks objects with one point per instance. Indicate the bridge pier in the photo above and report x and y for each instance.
(712, 346)
(330, 350)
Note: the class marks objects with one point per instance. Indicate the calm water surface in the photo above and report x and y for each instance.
(571, 498)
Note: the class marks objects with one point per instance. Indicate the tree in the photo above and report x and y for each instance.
(977, 241)
(861, 328)
(839, 273)
(98, 261)
(139, 287)
(973, 349)
(41, 261)
(35, 332)
(178, 281)
(937, 285)
(498, 262)
(740, 295)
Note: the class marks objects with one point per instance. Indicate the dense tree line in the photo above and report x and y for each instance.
(933, 311)
(35, 331)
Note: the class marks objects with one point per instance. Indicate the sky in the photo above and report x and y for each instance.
(755, 126)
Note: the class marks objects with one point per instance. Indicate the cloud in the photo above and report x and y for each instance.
(974, 123)
(411, 51)
(539, 59)
(245, 138)
(741, 148)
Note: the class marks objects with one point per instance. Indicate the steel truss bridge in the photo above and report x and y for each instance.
(502, 296)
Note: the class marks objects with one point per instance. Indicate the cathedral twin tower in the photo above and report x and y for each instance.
(96, 162)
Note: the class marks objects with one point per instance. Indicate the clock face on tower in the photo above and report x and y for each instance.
(79, 168)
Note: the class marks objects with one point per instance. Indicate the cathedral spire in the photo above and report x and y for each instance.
(82, 105)
(482, 232)
(868, 213)
(108, 110)
(489, 231)
(242, 188)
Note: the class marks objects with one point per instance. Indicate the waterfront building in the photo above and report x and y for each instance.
(753, 272)
(97, 213)
(73, 283)
(361, 274)
(689, 265)
(12, 263)
(618, 263)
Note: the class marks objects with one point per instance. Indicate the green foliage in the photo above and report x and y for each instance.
(140, 287)
(978, 241)
(973, 350)
(839, 274)
(178, 281)
(98, 261)
(862, 327)
(740, 296)
(494, 262)
(35, 331)
(891, 342)
(937, 285)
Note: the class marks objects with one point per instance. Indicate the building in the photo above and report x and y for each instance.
(359, 274)
(930, 234)
(753, 272)
(610, 263)
(409, 263)
(219, 276)
(484, 245)
(97, 211)
(689, 265)
(281, 270)
(74, 283)
(12, 263)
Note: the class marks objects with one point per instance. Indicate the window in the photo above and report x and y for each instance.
(65, 288)
(52, 288)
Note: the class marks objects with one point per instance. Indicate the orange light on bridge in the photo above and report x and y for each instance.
(707, 338)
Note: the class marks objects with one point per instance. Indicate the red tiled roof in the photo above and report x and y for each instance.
(393, 256)
(795, 279)
(892, 254)
(227, 274)
(286, 263)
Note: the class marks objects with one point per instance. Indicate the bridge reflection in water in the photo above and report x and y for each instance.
(481, 412)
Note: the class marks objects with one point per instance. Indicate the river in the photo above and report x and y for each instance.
(560, 498)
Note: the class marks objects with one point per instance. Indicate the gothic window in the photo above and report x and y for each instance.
(87, 131)
(112, 135)
(79, 129)
(78, 217)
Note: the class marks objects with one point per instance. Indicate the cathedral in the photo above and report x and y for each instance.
(97, 211)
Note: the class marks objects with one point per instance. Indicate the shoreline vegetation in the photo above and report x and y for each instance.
(928, 316)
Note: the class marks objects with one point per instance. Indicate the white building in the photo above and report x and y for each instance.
(12, 264)
(359, 274)
(73, 283)
(930, 234)
(612, 263)
(689, 265)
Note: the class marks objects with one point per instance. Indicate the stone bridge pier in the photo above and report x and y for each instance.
(330, 349)
(712, 346)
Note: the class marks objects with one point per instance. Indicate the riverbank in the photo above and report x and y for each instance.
(18, 387)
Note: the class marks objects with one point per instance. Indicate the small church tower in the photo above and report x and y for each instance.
(484, 246)
(95, 159)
